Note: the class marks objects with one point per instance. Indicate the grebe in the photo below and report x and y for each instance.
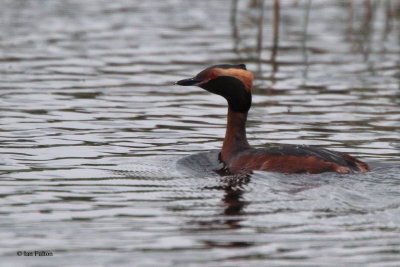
(234, 82)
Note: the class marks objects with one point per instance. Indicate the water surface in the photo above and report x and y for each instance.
(93, 133)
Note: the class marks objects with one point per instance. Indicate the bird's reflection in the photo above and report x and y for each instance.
(233, 201)
(233, 197)
(233, 187)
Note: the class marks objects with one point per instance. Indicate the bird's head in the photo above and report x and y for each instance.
(234, 82)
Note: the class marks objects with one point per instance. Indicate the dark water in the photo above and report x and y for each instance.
(94, 137)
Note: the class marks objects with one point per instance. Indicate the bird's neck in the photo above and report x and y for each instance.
(235, 136)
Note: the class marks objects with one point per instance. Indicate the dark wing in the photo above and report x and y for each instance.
(307, 151)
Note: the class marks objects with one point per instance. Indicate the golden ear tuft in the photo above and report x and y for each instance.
(245, 76)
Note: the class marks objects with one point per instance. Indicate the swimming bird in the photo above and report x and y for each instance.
(234, 83)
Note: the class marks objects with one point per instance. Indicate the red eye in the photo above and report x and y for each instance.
(213, 75)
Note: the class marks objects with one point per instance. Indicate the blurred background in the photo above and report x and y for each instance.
(92, 127)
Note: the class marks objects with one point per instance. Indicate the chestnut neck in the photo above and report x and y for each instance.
(235, 137)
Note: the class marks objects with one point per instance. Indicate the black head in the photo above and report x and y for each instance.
(233, 82)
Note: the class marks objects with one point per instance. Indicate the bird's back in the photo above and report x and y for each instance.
(295, 159)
